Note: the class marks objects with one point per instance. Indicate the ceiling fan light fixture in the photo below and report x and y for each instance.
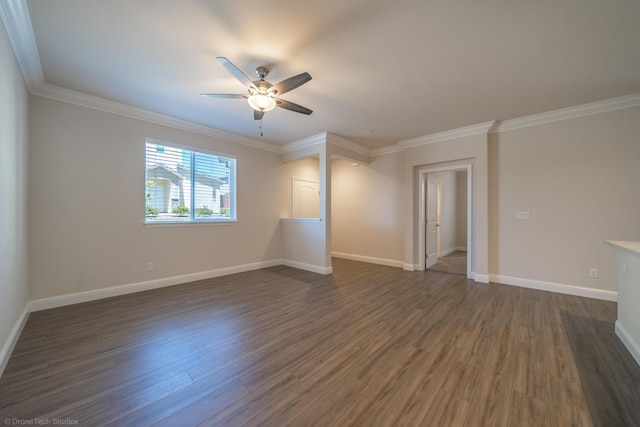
(262, 102)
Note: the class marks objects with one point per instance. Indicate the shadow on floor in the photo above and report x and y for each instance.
(609, 374)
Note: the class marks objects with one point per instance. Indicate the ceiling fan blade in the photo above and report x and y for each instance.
(237, 73)
(290, 84)
(257, 115)
(293, 107)
(224, 95)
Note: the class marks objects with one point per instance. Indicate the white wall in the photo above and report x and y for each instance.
(86, 193)
(580, 181)
(14, 291)
(367, 209)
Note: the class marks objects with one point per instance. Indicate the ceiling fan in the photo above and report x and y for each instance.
(262, 95)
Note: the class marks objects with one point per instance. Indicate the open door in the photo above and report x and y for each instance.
(432, 222)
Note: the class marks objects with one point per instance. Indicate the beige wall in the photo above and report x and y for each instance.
(448, 210)
(470, 149)
(301, 237)
(305, 168)
(580, 180)
(367, 208)
(461, 210)
(14, 291)
(86, 192)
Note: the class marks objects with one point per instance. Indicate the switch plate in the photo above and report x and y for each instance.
(149, 266)
(593, 273)
(523, 215)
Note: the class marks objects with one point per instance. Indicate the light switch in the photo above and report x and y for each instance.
(523, 215)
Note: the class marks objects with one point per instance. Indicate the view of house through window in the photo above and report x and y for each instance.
(188, 186)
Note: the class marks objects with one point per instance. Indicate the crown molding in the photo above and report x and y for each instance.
(97, 103)
(304, 143)
(387, 149)
(338, 141)
(478, 129)
(327, 138)
(14, 15)
(597, 107)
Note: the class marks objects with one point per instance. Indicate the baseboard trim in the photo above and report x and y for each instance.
(628, 341)
(461, 248)
(11, 341)
(555, 287)
(79, 297)
(448, 251)
(308, 267)
(370, 260)
(409, 267)
(480, 278)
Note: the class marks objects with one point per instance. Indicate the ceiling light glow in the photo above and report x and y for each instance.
(262, 102)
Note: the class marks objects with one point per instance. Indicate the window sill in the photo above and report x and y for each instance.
(187, 224)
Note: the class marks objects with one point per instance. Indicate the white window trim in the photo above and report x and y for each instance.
(192, 221)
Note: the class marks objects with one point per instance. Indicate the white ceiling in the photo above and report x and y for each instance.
(383, 71)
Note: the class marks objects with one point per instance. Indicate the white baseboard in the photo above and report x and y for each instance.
(555, 287)
(75, 298)
(628, 341)
(8, 346)
(447, 252)
(452, 250)
(409, 267)
(480, 278)
(308, 267)
(370, 260)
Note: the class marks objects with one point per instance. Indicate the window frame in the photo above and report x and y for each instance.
(192, 219)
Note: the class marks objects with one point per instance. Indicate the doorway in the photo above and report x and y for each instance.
(445, 221)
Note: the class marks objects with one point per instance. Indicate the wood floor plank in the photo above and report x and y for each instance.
(424, 381)
(526, 411)
(567, 404)
(254, 403)
(530, 375)
(188, 408)
(489, 405)
(331, 405)
(361, 412)
(366, 345)
(447, 410)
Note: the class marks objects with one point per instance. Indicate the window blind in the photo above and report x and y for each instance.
(184, 185)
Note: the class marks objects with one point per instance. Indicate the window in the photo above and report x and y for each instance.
(188, 186)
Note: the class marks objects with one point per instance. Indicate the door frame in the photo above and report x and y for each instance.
(423, 176)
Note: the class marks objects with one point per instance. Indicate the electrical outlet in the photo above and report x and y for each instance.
(593, 273)
(149, 266)
(294, 251)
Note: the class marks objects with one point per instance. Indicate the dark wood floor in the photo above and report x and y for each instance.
(368, 345)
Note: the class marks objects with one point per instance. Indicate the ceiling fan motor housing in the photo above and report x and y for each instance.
(262, 86)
